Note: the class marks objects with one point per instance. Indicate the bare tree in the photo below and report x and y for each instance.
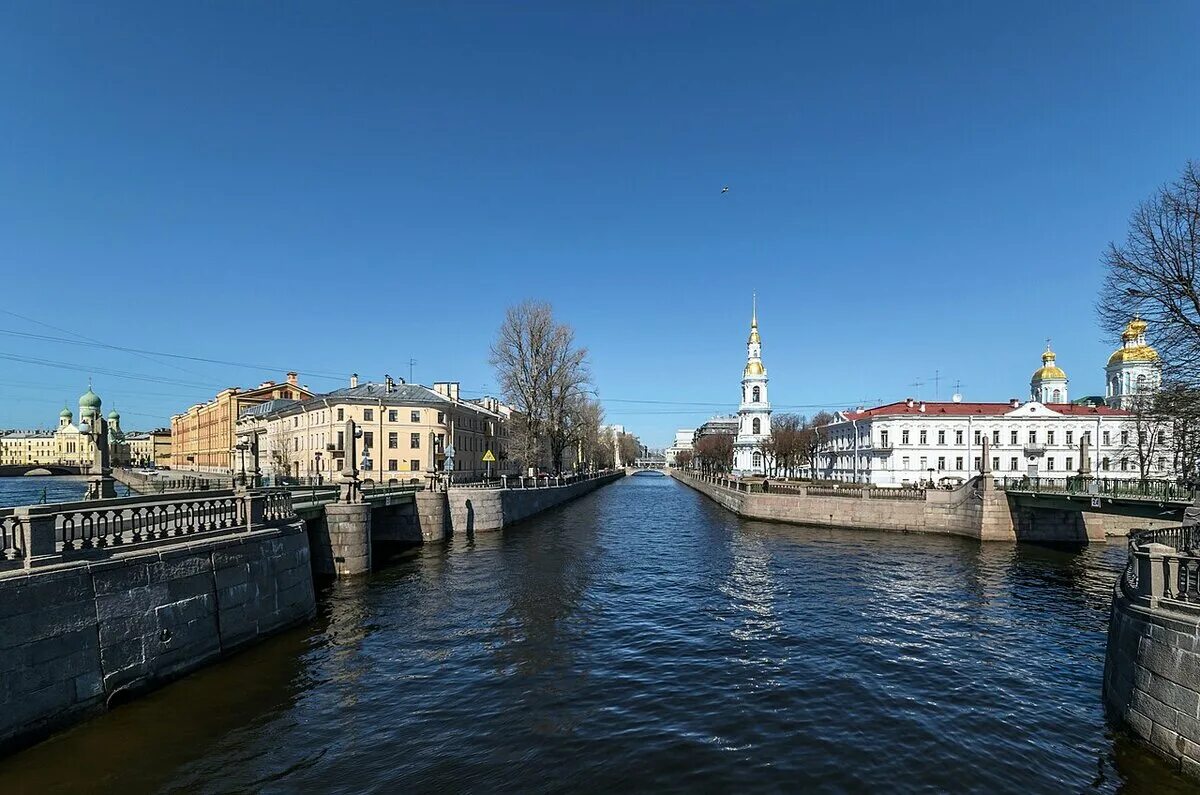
(1143, 435)
(683, 459)
(715, 452)
(545, 377)
(629, 448)
(1181, 405)
(812, 440)
(785, 445)
(1154, 274)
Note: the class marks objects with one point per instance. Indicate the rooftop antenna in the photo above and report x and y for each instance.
(937, 380)
(411, 362)
(917, 385)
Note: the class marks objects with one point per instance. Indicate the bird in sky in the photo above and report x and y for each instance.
(725, 189)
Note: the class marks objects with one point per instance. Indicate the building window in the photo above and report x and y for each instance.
(414, 441)
(883, 437)
(296, 443)
(924, 463)
(958, 463)
(1049, 437)
(441, 418)
(1161, 463)
(1124, 464)
(1057, 396)
(368, 415)
(392, 465)
(941, 437)
(941, 463)
(341, 415)
(904, 462)
(1070, 467)
(756, 427)
(393, 441)
(414, 465)
(755, 395)
(392, 415)
(1162, 437)
(1050, 464)
(1012, 437)
(1013, 463)
(958, 437)
(1104, 463)
(978, 464)
(923, 437)
(995, 438)
(1104, 437)
(995, 463)
(295, 422)
(415, 416)
(1124, 437)
(1086, 436)
(757, 459)
(1033, 437)
(368, 440)
(1070, 438)
(978, 436)
(903, 437)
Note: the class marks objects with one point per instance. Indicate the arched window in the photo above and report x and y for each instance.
(1057, 396)
(1141, 383)
(756, 425)
(757, 458)
(757, 395)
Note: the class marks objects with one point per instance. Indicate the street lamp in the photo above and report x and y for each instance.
(317, 456)
(242, 447)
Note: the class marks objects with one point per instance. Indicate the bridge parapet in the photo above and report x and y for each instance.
(1115, 488)
(40, 535)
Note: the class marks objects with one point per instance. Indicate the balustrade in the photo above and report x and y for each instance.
(45, 533)
(1163, 568)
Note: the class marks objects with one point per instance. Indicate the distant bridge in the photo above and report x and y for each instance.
(650, 462)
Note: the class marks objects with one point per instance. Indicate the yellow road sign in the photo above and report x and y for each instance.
(488, 457)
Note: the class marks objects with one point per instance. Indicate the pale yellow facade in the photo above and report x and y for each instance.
(406, 430)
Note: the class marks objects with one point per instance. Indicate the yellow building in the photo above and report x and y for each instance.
(66, 444)
(203, 437)
(150, 448)
(406, 431)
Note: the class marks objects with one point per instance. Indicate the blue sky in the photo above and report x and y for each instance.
(914, 188)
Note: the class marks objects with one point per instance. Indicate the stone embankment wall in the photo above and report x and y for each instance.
(1152, 677)
(76, 636)
(472, 510)
(965, 511)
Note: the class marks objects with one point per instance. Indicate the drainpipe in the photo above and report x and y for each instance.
(970, 441)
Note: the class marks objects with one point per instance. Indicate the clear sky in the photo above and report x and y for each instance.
(915, 188)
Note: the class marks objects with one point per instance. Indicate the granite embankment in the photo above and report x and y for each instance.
(967, 511)
(106, 613)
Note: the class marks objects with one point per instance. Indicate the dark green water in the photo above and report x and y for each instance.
(642, 639)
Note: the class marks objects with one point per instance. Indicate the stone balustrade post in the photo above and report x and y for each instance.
(1172, 583)
(40, 541)
(255, 506)
(1157, 575)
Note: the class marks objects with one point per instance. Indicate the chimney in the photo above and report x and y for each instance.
(908, 402)
(389, 385)
(921, 408)
(1014, 402)
(353, 380)
(447, 388)
(292, 376)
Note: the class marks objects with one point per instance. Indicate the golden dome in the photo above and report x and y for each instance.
(1049, 370)
(1134, 353)
(1136, 328)
(755, 368)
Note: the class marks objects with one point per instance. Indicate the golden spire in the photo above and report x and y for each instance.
(754, 320)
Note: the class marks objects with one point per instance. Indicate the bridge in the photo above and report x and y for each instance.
(650, 462)
(1143, 499)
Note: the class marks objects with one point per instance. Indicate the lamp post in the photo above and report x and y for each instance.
(317, 456)
(242, 447)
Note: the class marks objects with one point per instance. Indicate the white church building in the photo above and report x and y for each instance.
(754, 409)
(914, 441)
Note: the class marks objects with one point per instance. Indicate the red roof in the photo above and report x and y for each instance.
(978, 409)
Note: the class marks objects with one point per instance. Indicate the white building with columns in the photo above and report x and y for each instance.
(754, 410)
(914, 441)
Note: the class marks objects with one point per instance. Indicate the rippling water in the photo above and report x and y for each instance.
(644, 639)
(30, 490)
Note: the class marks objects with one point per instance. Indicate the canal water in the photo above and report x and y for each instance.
(34, 489)
(643, 639)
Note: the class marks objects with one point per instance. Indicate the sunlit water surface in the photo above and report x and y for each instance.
(642, 638)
